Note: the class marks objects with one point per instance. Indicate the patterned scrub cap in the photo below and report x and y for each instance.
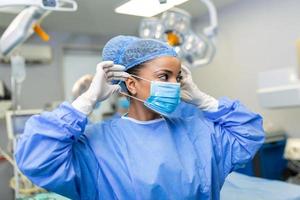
(130, 51)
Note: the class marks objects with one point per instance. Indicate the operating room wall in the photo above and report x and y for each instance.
(254, 36)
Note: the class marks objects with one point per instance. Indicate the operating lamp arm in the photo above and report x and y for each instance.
(10, 3)
(212, 30)
(21, 28)
(211, 33)
(55, 5)
(28, 20)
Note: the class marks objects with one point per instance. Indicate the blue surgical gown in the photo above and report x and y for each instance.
(122, 158)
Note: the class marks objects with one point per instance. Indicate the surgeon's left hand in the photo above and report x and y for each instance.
(190, 93)
(81, 85)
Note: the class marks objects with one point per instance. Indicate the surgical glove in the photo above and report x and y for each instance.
(115, 73)
(99, 90)
(190, 93)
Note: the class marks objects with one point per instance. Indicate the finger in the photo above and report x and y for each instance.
(120, 76)
(116, 79)
(185, 96)
(185, 70)
(85, 78)
(117, 74)
(79, 88)
(114, 68)
(88, 80)
(184, 93)
(83, 81)
(104, 64)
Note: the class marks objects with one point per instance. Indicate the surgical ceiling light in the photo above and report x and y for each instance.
(174, 27)
(29, 19)
(147, 8)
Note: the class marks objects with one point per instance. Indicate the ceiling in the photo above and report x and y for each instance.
(98, 17)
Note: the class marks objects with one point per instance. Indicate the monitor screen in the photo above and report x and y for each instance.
(18, 123)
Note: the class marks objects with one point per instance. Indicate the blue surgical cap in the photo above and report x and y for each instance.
(130, 51)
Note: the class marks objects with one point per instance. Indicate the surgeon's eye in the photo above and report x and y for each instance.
(163, 77)
(179, 78)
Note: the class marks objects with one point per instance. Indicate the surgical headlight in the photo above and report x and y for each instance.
(174, 27)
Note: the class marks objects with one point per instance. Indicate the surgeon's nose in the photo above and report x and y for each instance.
(173, 80)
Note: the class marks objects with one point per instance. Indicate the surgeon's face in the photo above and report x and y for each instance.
(165, 69)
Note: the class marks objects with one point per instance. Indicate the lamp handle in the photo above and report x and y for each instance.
(212, 30)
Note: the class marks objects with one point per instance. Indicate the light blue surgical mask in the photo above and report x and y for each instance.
(164, 96)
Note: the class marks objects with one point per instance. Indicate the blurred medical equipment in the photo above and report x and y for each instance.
(15, 124)
(147, 8)
(15, 121)
(18, 75)
(5, 99)
(4, 92)
(21, 28)
(24, 187)
(32, 53)
(280, 87)
(292, 153)
(174, 27)
(29, 19)
(56, 5)
(292, 149)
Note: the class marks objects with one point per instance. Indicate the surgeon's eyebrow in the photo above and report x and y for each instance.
(163, 70)
(166, 71)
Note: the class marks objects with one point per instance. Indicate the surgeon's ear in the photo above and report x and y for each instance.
(131, 85)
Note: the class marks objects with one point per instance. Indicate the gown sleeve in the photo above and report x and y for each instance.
(54, 153)
(238, 134)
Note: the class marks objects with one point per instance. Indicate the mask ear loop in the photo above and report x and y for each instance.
(125, 94)
(135, 76)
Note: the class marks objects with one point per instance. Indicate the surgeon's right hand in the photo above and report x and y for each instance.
(99, 90)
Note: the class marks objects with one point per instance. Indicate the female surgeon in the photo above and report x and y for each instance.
(147, 153)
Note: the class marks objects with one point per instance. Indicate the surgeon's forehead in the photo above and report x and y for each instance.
(165, 63)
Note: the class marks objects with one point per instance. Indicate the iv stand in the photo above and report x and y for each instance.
(18, 75)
